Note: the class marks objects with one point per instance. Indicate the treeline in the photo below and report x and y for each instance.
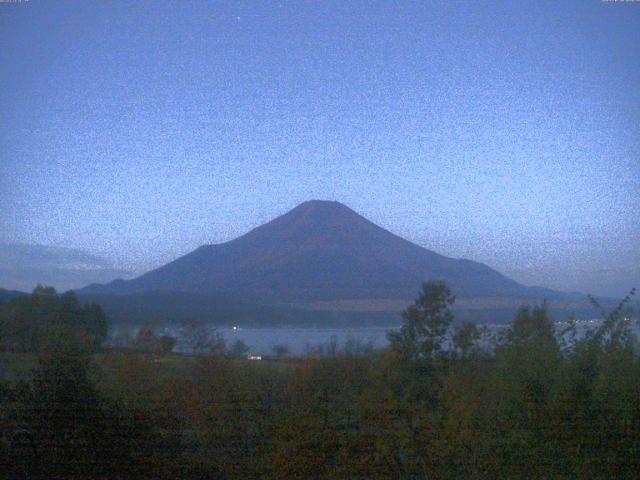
(27, 323)
(534, 404)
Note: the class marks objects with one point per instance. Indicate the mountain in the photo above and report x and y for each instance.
(6, 295)
(318, 252)
(23, 266)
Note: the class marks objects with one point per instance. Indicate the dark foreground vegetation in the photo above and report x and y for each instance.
(533, 404)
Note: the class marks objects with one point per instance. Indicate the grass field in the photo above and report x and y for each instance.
(16, 366)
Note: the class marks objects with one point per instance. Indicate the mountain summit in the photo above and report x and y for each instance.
(319, 251)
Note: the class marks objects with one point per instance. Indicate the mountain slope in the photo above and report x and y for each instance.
(319, 251)
(6, 295)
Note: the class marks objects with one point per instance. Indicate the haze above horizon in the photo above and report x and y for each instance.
(502, 134)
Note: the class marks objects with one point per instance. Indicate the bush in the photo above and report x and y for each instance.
(167, 343)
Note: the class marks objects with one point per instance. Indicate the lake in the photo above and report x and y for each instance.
(301, 341)
(298, 341)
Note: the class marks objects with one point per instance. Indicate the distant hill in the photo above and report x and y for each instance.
(170, 307)
(6, 295)
(176, 306)
(316, 252)
(23, 266)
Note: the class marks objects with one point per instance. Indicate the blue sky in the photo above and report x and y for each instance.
(503, 132)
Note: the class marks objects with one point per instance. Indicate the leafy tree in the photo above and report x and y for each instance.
(358, 347)
(28, 320)
(615, 330)
(43, 291)
(147, 340)
(77, 432)
(167, 343)
(65, 404)
(280, 350)
(532, 327)
(425, 324)
(202, 339)
(465, 339)
(239, 348)
(423, 408)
